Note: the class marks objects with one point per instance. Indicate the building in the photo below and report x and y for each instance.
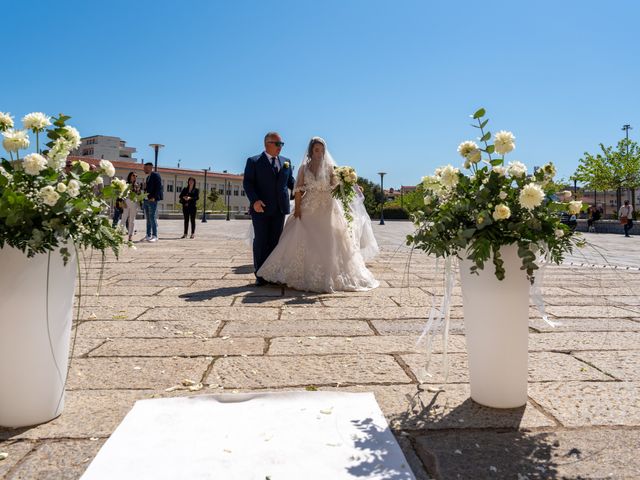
(392, 194)
(103, 147)
(606, 199)
(229, 186)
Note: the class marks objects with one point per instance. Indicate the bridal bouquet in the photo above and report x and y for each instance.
(494, 205)
(344, 191)
(45, 202)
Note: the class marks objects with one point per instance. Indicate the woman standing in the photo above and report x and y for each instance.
(188, 198)
(131, 204)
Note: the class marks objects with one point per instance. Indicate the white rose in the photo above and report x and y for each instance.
(59, 152)
(36, 121)
(72, 135)
(73, 189)
(574, 207)
(15, 140)
(559, 233)
(99, 181)
(449, 176)
(566, 194)
(501, 212)
(107, 167)
(49, 195)
(427, 199)
(465, 148)
(84, 165)
(503, 142)
(531, 196)
(502, 195)
(6, 121)
(34, 163)
(517, 169)
(61, 187)
(500, 170)
(119, 184)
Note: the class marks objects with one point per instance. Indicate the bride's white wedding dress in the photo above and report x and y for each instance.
(317, 252)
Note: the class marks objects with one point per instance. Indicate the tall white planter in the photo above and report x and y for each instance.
(496, 322)
(35, 329)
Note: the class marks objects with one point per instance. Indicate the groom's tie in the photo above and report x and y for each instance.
(273, 165)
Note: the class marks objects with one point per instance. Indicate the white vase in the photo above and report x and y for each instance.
(496, 322)
(35, 329)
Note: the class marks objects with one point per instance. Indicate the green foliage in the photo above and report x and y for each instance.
(372, 195)
(473, 216)
(611, 169)
(42, 210)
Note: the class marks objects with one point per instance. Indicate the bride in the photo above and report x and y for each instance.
(316, 252)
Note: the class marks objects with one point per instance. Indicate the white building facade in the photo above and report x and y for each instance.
(103, 147)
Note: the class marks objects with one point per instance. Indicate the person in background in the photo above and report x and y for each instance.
(626, 217)
(131, 204)
(117, 211)
(153, 189)
(189, 198)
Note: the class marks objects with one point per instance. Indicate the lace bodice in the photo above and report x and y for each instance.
(316, 191)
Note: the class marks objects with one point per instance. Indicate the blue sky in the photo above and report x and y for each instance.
(389, 85)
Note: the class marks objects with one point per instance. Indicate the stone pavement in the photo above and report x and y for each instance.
(186, 310)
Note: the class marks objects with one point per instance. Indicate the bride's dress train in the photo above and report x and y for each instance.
(317, 252)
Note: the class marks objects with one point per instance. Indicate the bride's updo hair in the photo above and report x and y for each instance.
(315, 141)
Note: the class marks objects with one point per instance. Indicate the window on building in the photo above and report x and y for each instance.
(236, 191)
(169, 186)
(179, 186)
(221, 189)
(242, 194)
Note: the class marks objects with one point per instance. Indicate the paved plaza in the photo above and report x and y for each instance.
(182, 317)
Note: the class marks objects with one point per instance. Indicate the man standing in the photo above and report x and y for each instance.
(626, 217)
(153, 189)
(268, 177)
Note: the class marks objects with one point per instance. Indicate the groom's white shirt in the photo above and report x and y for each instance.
(277, 160)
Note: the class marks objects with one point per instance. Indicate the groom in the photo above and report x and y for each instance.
(268, 177)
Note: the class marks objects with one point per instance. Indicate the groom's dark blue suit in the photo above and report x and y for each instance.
(262, 182)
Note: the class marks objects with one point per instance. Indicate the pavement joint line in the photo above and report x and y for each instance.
(408, 372)
(208, 370)
(544, 412)
(375, 330)
(267, 346)
(596, 368)
(219, 329)
(86, 354)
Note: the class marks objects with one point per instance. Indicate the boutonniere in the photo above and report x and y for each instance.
(285, 165)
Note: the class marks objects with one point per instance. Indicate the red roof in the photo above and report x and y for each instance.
(138, 167)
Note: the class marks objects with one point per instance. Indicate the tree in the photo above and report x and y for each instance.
(214, 202)
(612, 169)
(372, 195)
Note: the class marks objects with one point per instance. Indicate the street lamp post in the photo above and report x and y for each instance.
(204, 206)
(382, 174)
(156, 147)
(228, 192)
(626, 128)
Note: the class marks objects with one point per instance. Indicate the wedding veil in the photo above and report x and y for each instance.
(321, 172)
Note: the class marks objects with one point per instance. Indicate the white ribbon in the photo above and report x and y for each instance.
(440, 317)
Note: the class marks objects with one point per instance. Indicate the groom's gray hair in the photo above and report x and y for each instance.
(270, 135)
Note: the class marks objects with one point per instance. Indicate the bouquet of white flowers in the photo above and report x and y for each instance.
(344, 191)
(474, 215)
(46, 202)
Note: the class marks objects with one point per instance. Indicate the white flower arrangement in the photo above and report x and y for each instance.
(494, 206)
(344, 191)
(44, 203)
